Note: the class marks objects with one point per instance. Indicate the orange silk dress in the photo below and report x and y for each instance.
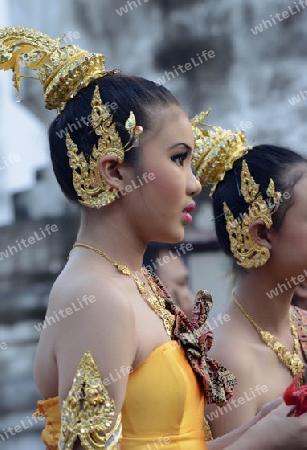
(163, 407)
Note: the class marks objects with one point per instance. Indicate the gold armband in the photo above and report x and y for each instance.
(88, 411)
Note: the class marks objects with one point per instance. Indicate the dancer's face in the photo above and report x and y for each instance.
(289, 243)
(166, 153)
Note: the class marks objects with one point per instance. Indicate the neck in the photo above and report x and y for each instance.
(104, 230)
(253, 291)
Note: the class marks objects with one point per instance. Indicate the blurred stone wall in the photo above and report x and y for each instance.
(32, 254)
(250, 83)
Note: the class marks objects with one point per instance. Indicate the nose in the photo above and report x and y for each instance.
(193, 185)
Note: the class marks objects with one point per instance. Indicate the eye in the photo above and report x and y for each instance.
(179, 159)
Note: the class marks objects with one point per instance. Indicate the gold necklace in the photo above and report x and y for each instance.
(293, 362)
(156, 303)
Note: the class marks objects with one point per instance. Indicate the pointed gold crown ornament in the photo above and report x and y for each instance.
(246, 251)
(87, 180)
(62, 69)
(215, 150)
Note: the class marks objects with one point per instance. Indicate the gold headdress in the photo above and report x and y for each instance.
(63, 70)
(215, 150)
(246, 251)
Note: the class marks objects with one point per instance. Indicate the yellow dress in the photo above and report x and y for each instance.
(165, 396)
(163, 407)
(164, 400)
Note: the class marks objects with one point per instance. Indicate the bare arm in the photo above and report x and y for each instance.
(228, 439)
(106, 329)
(275, 431)
(233, 436)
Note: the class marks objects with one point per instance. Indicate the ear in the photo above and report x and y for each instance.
(114, 173)
(260, 234)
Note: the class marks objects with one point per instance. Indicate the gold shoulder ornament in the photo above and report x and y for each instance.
(88, 411)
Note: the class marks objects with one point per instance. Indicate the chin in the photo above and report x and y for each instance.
(174, 238)
(171, 235)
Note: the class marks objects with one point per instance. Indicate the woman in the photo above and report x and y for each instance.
(110, 363)
(260, 211)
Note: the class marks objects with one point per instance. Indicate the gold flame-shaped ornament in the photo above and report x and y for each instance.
(90, 186)
(247, 252)
(88, 412)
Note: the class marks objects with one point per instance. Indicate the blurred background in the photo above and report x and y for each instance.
(248, 63)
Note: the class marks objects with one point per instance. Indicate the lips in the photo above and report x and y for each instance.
(189, 208)
(186, 213)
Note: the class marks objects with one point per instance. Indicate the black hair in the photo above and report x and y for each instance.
(265, 162)
(121, 94)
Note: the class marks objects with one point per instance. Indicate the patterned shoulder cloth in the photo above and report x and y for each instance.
(299, 318)
(196, 339)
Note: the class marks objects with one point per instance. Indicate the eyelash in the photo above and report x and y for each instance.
(181, 157)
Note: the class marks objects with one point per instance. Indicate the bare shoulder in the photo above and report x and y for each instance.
(231, 349)
(90, 288)
(95, 302)
(233, 354)
(89, 312)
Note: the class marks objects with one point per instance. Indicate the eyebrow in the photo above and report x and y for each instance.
(180, 144)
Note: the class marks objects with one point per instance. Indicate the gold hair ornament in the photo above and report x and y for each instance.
(62, 69)
(87, 180)
(247, 252)
(215, 150)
